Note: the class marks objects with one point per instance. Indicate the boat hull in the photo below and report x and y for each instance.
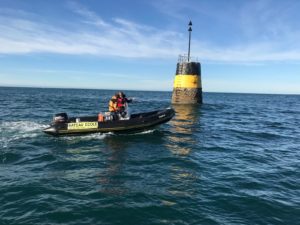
(90, 124)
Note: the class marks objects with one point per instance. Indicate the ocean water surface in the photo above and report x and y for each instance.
(233, 160)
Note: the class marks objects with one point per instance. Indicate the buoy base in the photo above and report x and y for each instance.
(187, 96)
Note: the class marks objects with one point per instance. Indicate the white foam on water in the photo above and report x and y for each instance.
(14, 130)
(139, 133)
(147, 132)
(94, 136)
(21, 126)
(100, 136)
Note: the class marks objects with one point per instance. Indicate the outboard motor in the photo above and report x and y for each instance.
(60, 118)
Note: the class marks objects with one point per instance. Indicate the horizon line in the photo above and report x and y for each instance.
(82, 88)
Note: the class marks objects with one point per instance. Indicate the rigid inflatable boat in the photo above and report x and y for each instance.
(62, 125)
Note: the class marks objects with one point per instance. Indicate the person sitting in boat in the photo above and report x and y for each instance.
(112, 106)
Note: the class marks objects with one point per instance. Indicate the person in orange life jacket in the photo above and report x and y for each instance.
(112, 106)
(121, 101)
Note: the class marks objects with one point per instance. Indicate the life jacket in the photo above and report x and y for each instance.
(112, 106)
(121, 102)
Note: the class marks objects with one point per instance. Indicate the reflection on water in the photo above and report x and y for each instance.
(110, 179)
(182, 140)
(116, 142)
(184, 176)
(114, 179)
(183, 126)
(187, 116)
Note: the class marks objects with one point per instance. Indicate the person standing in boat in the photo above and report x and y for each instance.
(122, 101)
(123, 109)
(118, 106)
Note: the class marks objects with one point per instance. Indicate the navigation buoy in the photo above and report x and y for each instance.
(187, 87)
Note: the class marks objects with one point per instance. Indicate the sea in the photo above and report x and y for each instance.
(233, 160)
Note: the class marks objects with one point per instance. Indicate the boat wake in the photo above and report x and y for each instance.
(87, 137)
(139, 133)
(15, 130)
(101, 136)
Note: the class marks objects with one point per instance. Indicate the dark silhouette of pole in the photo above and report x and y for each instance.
(190, 33)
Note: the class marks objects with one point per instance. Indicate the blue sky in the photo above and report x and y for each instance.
(244, 46)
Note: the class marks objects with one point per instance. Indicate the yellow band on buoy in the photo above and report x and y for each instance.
(187, 81)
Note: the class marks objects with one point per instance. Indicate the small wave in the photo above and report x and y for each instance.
(95, 136)
(21, 126)
(290, 112)
(137, 133)
(8, 157)
(101, 136)
(15, 130)
(267, 135)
